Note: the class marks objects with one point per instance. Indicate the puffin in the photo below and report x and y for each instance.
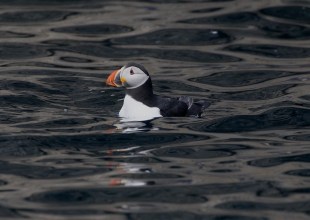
(140, 102)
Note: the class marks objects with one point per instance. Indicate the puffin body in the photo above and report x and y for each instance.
(133, 109)
(141, 104)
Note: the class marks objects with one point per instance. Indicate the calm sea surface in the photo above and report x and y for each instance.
(66, 155)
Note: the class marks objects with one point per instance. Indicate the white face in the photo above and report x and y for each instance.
(132, 77)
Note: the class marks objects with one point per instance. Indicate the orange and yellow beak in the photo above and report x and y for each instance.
(113, 79)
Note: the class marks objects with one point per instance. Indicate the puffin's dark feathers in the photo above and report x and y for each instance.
(170, 107)
(183, 106)
(140, 101)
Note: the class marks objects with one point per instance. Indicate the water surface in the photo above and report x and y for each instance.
(66, 155)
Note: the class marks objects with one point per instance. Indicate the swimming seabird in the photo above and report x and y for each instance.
(141, 104)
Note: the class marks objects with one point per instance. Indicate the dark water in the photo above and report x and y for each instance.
(65, 154)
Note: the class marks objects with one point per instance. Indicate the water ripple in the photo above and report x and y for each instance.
(274, 51)
(279, 118)
(33, 16)
(101, 50)
(269, 162)
(21, 51)
(246, 19)
(297, 13)
(10, 34)
(241, 78)
(300, 172)
(95, 142)
(189, 216)
(246, 205)
(198, 152)
(65, 153)
(177, 194)
(177, 37)
(271, 92)
(40, 172)
(94, 29)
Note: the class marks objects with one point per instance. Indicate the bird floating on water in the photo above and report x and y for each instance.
(141, 104)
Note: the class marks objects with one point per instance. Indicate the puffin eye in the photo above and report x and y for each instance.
(131, 72)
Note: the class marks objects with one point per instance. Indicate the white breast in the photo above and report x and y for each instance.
(134, 110)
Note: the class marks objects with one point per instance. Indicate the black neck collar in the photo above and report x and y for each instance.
(143, 93)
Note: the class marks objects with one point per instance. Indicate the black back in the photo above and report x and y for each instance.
(169, 107)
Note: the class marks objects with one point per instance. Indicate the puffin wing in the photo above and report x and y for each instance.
(197, 108)
(171, 107)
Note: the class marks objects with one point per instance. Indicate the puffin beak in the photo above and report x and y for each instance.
(114, 78)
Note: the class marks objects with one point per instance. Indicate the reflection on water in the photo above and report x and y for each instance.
(66, 155)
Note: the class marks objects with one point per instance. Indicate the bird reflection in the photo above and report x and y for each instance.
(135, 126)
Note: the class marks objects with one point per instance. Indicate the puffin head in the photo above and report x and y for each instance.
(130, 76)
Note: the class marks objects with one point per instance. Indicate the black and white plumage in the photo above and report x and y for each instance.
(141, 104)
